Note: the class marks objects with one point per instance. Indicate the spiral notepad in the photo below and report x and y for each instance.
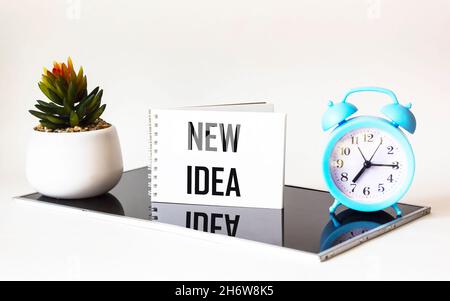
(210, 156)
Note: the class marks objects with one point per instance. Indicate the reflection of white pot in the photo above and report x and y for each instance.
(74, 165)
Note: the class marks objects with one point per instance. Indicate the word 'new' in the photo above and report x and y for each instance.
(204, 136)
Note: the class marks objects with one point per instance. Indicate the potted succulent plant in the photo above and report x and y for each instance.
(72, 153)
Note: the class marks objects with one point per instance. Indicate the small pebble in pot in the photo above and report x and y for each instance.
(97, 125)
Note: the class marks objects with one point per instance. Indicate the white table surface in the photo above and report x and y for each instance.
(39, 241)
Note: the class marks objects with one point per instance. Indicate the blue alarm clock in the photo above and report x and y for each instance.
(368, 162)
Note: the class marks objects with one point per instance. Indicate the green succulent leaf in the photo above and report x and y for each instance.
(94, 92)
(88, 97)
(71, 93)
(46, 104)
(51, 105)
(73, 75)
(50, 94)
(50, 75)
(82, 88)
(95, 103)
(82, 94)
(74, 120)
(65, 70)
(67, 106)
(60, 89)
(51, 85)
(47, 81)
(51, 118)
(84, 83)
(46, 110)
(94, 106)
(48, 124)
(83, 105)
(80, 77)
(81, 109)
(63, 84)
(94, 115)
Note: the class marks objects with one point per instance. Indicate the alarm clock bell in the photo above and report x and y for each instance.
(337, 113)
(398, 114)
(401, 116)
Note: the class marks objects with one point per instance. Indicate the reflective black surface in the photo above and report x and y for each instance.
(304, 223)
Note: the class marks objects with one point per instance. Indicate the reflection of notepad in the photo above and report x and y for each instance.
(231, 155)
(263, 225)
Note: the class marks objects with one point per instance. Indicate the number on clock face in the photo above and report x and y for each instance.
(368, 164)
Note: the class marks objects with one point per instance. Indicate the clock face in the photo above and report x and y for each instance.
(368, 165)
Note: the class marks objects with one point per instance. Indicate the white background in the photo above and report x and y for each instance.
(296, 54)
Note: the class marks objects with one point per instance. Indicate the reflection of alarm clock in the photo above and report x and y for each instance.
(349, 224)
(368, 162)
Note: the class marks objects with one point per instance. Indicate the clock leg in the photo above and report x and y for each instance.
(334, 206)
(397, 210)
(335, 221)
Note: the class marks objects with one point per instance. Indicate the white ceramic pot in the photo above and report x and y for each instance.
(74, 165)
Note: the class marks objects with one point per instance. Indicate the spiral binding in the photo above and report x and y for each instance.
(152, 167)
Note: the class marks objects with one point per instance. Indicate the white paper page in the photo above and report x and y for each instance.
(258, 161)
(233, 107)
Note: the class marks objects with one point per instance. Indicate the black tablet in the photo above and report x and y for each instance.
(304, 224)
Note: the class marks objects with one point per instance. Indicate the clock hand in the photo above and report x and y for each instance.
(389, 165)
(366, 165)
(370, 160)
(359, 174)
(360, 151)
